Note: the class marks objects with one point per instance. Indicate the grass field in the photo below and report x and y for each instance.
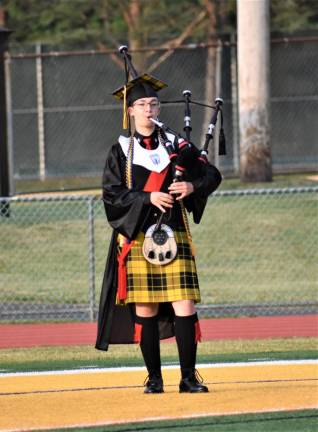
(257, 248)
(57, 358)
(251, 249)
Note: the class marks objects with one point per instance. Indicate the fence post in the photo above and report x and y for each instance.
(7, 68)
(40, 111)
(234, 90)
(4, 151)
(91, 258)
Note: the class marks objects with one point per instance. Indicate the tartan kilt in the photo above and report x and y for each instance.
(150, 283)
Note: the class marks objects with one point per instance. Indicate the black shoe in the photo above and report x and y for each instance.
(192, 384)
(153, 384)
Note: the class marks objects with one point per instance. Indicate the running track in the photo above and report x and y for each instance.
(32, 335)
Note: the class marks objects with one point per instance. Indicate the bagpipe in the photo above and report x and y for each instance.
(159, 245)
(183, 158)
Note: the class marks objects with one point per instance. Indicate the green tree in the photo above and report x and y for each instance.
(108, 23)
(294, 15)
(69, 23)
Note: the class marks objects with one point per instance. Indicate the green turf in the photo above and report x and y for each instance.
(258, 249)
(58, 358)
(279, 181)
(52, 184)
(288, 421)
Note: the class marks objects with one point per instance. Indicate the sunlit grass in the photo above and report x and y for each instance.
(250, 249)
(45, 358)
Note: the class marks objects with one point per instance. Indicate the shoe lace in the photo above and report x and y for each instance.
(146, 380)
(151, 377)
(197, 376)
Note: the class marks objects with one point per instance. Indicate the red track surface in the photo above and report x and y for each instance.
(32, 335)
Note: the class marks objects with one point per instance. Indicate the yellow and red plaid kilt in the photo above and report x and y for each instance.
(149, 283)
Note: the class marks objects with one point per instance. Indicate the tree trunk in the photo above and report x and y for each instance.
(133, 17)
(254, 98)
(2, 17)
(176, 42)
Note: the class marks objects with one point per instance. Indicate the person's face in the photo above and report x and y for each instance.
(142, 110)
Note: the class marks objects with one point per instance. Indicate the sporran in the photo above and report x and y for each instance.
(159, 246)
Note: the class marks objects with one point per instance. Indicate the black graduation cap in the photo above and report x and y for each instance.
(142, 86)
(139, 87)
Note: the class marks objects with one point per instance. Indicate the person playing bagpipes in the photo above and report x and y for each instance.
(150, 286)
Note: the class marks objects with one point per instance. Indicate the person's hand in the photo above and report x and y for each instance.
(182, 189)
(161, 200)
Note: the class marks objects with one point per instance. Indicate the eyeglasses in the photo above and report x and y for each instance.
(143, 105)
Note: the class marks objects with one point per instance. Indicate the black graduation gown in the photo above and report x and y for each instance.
(126, 211)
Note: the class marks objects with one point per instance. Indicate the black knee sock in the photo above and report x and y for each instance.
(150, 344)
(185, 330)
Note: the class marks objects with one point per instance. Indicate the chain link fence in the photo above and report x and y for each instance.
(256, 254)
(63, 119)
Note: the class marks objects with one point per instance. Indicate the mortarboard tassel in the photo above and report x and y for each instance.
(125, 116)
